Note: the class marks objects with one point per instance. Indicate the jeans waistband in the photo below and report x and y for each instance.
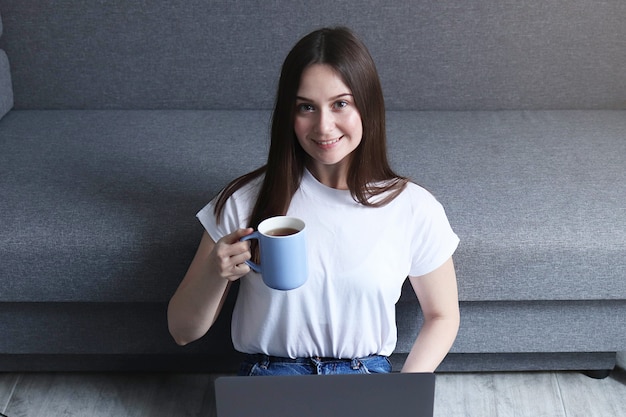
(260, 364)
(260, 357)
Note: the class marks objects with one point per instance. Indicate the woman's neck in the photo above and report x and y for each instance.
(333, 176)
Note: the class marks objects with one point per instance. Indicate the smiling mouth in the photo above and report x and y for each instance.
(328, 142)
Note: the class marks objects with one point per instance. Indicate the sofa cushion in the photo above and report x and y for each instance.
(537, 198)
(98, 206)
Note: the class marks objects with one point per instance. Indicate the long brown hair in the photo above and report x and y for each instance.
(369, 173)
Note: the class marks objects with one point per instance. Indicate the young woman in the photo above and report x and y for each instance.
(368, 229)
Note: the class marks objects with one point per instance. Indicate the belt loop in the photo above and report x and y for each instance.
(316, 361)
(264, 362)
(355, 364)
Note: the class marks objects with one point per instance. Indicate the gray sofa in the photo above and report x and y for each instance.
(124, 118)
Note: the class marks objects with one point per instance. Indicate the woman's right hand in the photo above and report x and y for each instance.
(229, 255)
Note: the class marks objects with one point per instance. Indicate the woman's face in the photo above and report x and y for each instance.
(327, 123)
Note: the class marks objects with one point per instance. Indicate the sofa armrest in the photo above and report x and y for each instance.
(6, 88)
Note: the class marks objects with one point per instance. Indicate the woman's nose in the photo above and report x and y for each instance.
(325, 122)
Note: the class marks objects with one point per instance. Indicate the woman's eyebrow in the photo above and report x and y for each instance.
(331, 99)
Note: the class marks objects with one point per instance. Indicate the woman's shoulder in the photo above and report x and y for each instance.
(251, 186)
(416, 189)
(420, 196)
(240, 191)
(242, 186)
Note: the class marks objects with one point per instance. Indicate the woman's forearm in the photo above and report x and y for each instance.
(432, 344)
(199, 298)
(195, 307)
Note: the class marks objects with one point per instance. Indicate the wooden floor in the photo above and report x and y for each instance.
(482, 395)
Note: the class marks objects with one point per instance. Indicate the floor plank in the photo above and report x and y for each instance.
(498, 395)
(95, 395)
(7, 385)
(601, 398)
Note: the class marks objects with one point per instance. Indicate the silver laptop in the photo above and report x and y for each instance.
(375, 395)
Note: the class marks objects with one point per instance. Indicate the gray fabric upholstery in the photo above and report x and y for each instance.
(444, 55)
(6, 87)
(537, 205)
(536, 197)
(496, 362)
(112, 227)
(557, 326)
(106, 200)
(130, 116)
(621, 359)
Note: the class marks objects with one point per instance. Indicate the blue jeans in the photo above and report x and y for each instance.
(258, 365)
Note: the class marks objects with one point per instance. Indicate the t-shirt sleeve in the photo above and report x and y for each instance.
(434, 241)
(234, 216)
(207, 218)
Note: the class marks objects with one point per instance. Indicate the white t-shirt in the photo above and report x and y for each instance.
(359, 257)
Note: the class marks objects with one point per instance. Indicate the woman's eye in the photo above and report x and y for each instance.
(341, 104)
(305, 108)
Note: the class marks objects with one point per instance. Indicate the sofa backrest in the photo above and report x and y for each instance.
(223, 54)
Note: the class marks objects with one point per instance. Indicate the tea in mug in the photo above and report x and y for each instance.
(282, 231)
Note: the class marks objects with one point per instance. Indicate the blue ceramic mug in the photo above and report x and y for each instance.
(282, 244)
